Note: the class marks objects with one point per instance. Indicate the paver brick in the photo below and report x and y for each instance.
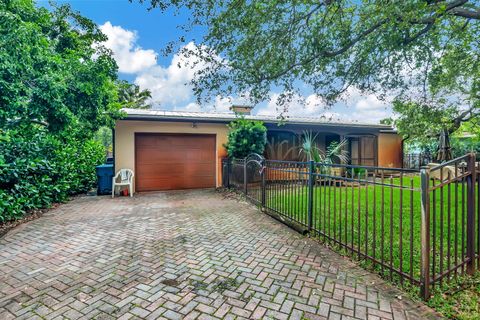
(181, 255)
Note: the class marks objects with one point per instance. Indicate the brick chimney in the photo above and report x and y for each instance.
(241, 109)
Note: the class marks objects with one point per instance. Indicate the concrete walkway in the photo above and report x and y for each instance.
(181, 255)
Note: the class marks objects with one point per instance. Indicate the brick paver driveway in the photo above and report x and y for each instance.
(180, 255)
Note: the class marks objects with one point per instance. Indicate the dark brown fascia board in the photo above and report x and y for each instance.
(390, 131)
(271, 122)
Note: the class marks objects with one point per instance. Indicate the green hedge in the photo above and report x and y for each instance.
(38, 169)
(245, 137)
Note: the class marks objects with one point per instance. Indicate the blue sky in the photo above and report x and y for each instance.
(137, 36)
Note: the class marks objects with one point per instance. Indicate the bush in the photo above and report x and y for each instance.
(245, 137)
(38, 169)
(461, 147)
(57, 88)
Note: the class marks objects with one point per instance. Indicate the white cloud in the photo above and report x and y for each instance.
(170, 85)
(310, 106)
(355, 106)
(166, 85)
(366, 107)
(171, 89)
(220, 104)
(129, 56)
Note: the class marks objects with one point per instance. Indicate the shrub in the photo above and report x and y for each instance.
(461, 147)
(245, 137)
(38, 169)
(57, 88)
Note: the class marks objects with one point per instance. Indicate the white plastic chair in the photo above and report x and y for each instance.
(126, 179)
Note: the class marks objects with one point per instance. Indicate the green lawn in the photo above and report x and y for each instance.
(383, 222)
(358, 215)
(459, 300)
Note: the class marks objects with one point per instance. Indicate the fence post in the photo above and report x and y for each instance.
(311, 169)
(425, 234)
(263, 190)
(226, 173)
(245, 176)
(471, 214)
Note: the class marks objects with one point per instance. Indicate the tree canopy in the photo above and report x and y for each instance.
(57, 87)
(415, 50)
(423, 122)
(54, 72)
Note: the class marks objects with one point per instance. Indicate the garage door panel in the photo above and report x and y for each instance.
(174, 161)
(171, 184)
(201, 169)
(155, 185)
(154, 170)
(163, 159)
(173, 172)
(150, 141)
(160, 157)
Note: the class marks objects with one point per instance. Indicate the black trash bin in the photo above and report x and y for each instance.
(104, 179)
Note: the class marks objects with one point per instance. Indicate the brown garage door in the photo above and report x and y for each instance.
(174, 161)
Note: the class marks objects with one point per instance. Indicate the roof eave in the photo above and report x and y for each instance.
(147, 117)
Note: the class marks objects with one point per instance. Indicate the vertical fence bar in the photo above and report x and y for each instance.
(455, 247)
(471, 214)
(263, 186)
(245, 176)
(391, 228)
(382, 244)
(311, 169)
(229, 169)
(400, 226)
(411, 228)
(425, 235)
(477, 211)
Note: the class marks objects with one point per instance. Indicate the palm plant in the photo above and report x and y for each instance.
(309, 147)
(130, 96)
(335, 153)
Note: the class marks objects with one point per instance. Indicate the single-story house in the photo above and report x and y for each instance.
(183, 150)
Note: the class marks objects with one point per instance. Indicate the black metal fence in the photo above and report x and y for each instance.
(416, 160)
(416, 227)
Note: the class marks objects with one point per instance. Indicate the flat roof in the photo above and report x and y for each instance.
(165, 115)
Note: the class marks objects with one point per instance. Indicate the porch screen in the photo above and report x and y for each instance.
(362, 150)
(368, 150)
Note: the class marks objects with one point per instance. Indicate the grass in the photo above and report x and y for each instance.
(384, 223)
(459, 299)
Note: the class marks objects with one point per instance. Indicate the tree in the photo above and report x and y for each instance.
(54, 72)
(57, 87)
(413, 49)
(130, 96)
(423, 122)
(105, 137)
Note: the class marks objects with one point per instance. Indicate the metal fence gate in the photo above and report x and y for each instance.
(415, 227)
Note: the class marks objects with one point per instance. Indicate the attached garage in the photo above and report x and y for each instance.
(171, 153)
(166, 161)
